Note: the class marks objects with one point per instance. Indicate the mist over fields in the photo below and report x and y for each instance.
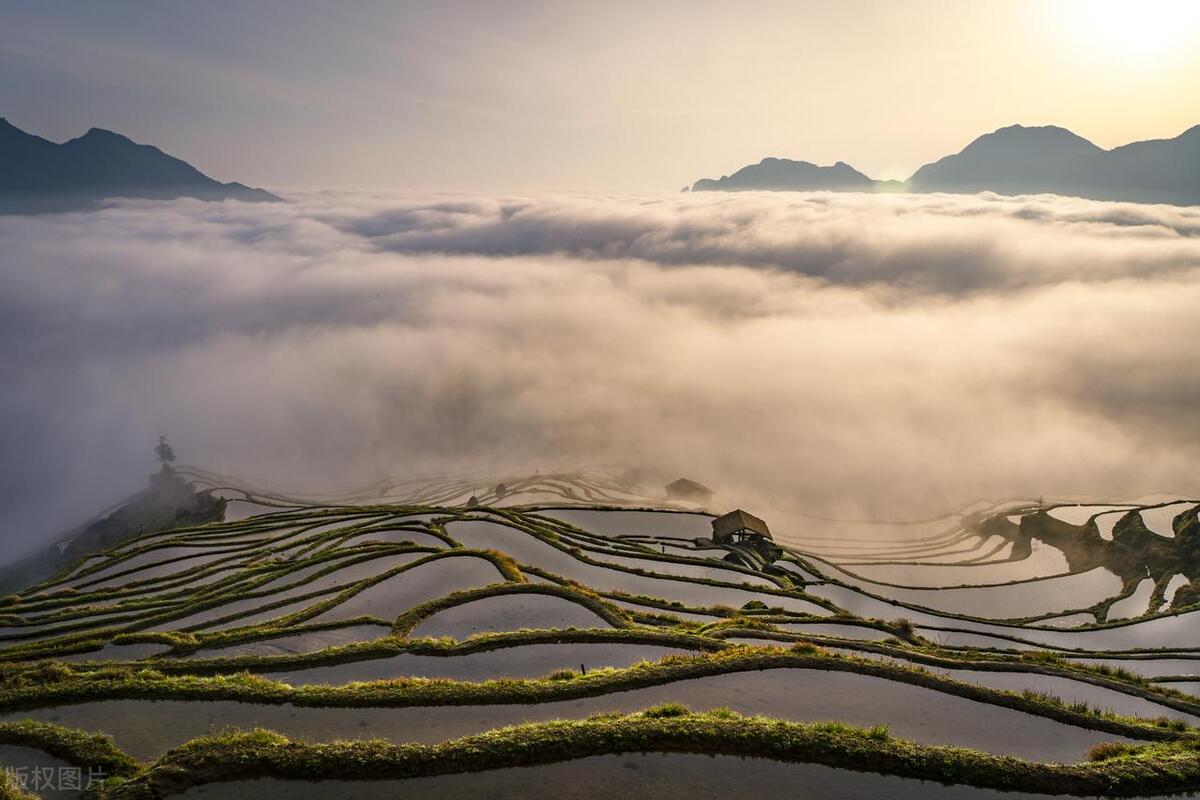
(888, 355)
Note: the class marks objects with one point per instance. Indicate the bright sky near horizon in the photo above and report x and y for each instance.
(533, 94)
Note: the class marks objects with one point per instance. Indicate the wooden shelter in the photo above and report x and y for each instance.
(739, 526)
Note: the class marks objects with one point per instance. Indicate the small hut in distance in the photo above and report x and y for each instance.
(689, 491)
(740, 527)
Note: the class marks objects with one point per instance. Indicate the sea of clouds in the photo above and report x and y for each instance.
(891, 355)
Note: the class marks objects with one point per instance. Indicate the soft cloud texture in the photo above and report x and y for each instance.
(889, 355)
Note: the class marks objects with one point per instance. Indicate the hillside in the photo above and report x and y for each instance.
(167, 501)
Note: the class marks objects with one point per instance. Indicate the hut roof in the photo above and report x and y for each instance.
(739, 521)
(687, 486)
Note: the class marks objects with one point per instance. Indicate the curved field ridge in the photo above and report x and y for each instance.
(671, 729)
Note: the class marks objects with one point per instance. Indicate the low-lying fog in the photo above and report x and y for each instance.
(888, 355)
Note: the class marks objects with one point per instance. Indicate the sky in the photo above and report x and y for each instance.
(616, 95)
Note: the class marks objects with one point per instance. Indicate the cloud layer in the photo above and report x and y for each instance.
(888, 355)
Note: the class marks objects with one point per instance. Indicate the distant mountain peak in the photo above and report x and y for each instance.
(1043, 133)
(10, 129)
(1056, 129)
(37, 175)
(104, 133)
(1015, 159)
(783, 173)
(1191, 133)
(1050, 159)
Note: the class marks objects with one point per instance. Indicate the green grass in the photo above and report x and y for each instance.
(73, 746)
(610, 613)
(10, 788)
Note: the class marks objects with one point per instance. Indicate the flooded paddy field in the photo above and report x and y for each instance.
(525, 661)
(298, 643)
(43, 774)
(1044, 561)
(531, 550)
(424, 582)
(1021, 598)
(1071, 691)
(621, 524)
(671, 776)
(425, 623)
(147, 729)
(506, 613)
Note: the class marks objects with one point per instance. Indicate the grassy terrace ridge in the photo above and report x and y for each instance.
(670, 728)
(10, 788)
(611, 614)
(73, 746)
(58, 684)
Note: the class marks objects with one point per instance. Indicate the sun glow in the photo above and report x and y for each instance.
(1146, 31)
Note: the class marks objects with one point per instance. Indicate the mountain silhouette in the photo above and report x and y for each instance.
(1013, 160)
(38, 175)
(782, 173)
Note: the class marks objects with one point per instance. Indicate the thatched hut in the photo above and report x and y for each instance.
(740, 526)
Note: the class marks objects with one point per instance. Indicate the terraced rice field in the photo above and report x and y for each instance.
(431, 638)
